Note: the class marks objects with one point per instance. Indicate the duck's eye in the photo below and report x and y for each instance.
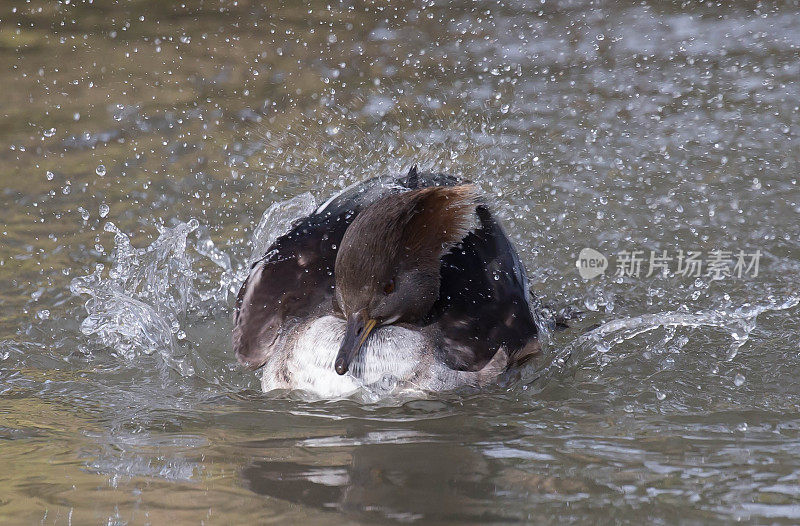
(389, 287)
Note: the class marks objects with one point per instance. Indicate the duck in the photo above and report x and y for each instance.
(394, 284)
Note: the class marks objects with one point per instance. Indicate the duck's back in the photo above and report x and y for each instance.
(483, 303)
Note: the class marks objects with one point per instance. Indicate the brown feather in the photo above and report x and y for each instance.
(439, 217)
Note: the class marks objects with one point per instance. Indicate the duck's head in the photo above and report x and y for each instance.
(387, 267)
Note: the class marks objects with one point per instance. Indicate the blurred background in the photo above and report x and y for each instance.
(162, 140)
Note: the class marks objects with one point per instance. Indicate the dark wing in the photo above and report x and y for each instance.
(295, 279)
(483, 303)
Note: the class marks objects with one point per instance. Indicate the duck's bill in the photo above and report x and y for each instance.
(359, 327)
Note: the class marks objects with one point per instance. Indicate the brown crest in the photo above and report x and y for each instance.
(438, 218)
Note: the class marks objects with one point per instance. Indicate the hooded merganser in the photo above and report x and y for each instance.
(394, 284)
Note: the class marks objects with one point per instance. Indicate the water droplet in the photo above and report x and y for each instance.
(100, 170)
(660, 395)
(50, 132)
(104, 209)
(49, 175)
(76, 116)
(738, 380)
(43, 314)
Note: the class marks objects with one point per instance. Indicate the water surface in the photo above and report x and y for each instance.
(151, 137)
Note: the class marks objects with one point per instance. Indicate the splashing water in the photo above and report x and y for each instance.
(140, 305)
(739, 323)
(277, 219)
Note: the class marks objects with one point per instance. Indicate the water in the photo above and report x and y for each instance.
(142, 143)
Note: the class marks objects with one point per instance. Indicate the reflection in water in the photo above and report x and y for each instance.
(392, 480)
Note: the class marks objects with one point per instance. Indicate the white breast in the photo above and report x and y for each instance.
(391, 355)
(394, 359)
